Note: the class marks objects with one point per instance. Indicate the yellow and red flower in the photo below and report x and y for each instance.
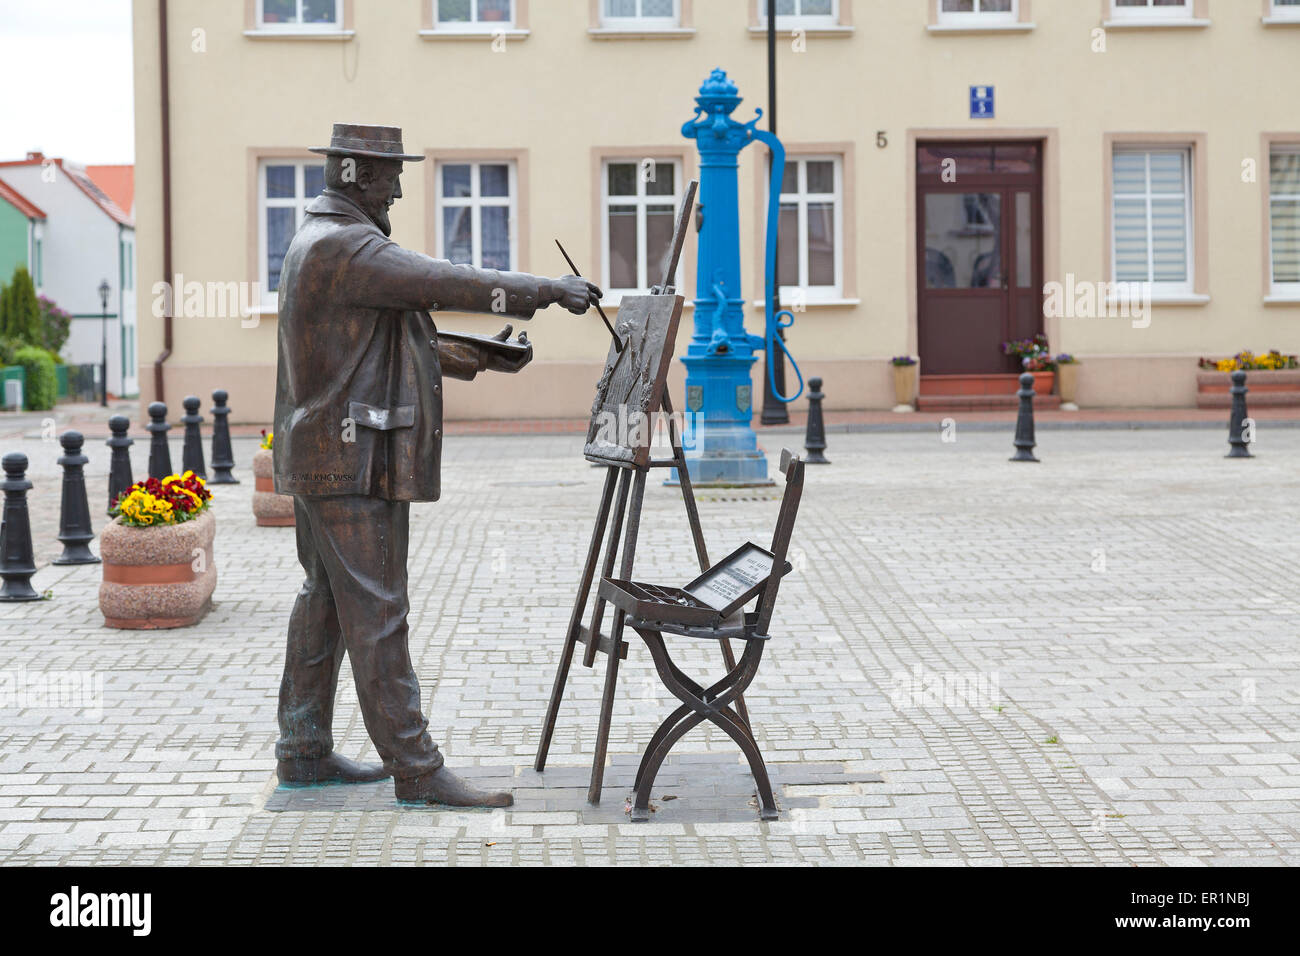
(172, 500)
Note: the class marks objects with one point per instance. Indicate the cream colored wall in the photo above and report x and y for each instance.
(559, 93)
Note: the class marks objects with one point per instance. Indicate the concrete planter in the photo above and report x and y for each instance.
(1266, 387)
(906, 380)
(157, 577)
(270, 509)
(1067, 380)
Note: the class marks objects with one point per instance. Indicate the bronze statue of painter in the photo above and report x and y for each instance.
(358, 434)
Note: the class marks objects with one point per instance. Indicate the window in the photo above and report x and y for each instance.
(1152, 218)
(473, 16)
(475, 212)
(809, 241)
(1284, 219)
(1150, 9)
(284, 189)
(1284, 10)
(639, 204)
(640, 14)
(801, 14)
(128, 267)
(38, 265)
(978, 13)
(299, 16)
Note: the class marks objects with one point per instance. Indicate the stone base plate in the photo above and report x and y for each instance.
(691, 788)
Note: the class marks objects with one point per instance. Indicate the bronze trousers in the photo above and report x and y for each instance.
(353, 550)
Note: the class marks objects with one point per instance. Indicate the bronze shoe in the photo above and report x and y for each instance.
(441, 786)
(332, 768)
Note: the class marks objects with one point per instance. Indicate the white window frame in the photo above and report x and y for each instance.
(640, 23)
(1161, 289)
(1284, 290)
(800, 198)
(977, 18)
(475, 202)
(801, 21)
(1151, 12)
(1289, 12)
(298, 202)
(475, 25)
(640, 201)
(299, 26)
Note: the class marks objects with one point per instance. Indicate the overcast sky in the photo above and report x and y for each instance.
(65, 69)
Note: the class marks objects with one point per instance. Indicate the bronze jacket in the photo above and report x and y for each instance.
(358, 395)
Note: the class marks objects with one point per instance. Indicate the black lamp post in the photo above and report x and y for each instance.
(104, 290)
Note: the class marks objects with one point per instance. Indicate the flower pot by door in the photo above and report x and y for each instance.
(1043, 382)
(157, 577)
(905, 383)
(1068, 382)
(270, 508)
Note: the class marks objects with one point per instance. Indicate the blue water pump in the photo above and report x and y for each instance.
(722, 446)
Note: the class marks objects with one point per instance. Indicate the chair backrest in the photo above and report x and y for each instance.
(792, 467)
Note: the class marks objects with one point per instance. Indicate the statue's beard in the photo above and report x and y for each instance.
(380, 216)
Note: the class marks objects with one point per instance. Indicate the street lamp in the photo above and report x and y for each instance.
(104, 290)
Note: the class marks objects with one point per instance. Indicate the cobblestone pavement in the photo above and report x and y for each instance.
(1089, 660)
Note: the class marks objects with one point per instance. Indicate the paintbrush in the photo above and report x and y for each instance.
(618, 345)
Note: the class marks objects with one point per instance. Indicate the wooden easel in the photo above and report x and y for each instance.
(630, 477)
(627, 509)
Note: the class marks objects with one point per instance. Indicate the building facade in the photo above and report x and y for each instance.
(85, 239)
(21, 229)
(1120, 175)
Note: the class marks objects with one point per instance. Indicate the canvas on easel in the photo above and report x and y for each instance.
(631, 389)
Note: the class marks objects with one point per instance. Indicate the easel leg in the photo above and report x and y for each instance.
(575, 622)
(615, 642)
(611, 549)
(697, 533)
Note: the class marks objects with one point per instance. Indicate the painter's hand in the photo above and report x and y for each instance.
(493, 359)
(573, 292)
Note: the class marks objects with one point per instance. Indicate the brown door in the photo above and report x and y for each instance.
(979, 253)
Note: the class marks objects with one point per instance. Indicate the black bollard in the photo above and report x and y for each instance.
(223, 458)
(119, 466)
(1237, 420)
(74, 512)
(815, 437)
(160, 456)
(1025, 421)
(17, 562)
(192, 449)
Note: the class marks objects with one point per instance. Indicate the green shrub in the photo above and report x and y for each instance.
(20, 311)
(7, 349)
(42, 385)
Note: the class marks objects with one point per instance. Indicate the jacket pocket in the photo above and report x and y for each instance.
(380, 418)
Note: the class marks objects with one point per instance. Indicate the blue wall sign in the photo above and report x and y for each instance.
(981, 102)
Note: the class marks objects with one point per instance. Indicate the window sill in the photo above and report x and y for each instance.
(1280, 21)
(334, 35)
(941, 29)
(510, 33)
(840, 31)
(670, 33)
(1281, 298)
(830, 302)
(1154, 23)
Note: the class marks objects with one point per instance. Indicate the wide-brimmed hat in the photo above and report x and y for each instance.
(376, 142)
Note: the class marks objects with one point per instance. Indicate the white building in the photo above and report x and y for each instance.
(86, 239)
